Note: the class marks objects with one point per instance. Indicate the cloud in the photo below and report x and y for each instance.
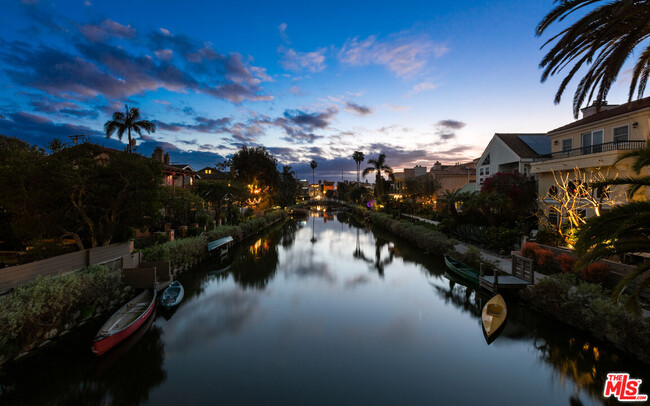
(404, 55)
(422, 87)
(203, 125)
(296, 90)
(310, 121)
(105, 30)
(357, 109)
(302, 61)
(282, 28)
(396, 107)
(165, 32)
(164, 54)
(447, 129)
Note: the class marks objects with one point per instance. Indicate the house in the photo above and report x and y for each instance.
(510, 153)
(211, 173)
(452, 177)
(176, 175)
(594, 144)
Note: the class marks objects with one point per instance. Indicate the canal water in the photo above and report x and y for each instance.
(325, 311)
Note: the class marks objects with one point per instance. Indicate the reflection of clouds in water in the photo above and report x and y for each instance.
(400, 330)
(303, 265)
(356, 282)
(203, 320)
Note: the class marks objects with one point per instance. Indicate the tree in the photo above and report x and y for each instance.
(602, 39)
(452, 199)
(622, 230)
(127, 122)
(358, 157)
(424, 187)
(379, 166)
(288, 187)
(313, 165)
(255, 167)
(56, 145)
(563, 207)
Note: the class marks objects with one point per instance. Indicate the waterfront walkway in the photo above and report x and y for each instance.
(503, 263)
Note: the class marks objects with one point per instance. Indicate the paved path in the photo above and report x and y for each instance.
(504, 264)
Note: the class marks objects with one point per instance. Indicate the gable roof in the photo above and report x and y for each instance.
(525, 149)
(616, 111)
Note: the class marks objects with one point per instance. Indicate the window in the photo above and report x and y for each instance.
(487, 160)
(481, 171)
(621, 134)
(567, 145)
(592, 142)
(553, 219)
(487, 170)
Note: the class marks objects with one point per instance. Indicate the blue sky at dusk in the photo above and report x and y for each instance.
(419, 81)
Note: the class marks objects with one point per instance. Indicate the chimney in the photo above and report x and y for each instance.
(437, 166)
(158, 154)
(167, 159)
(593, 109)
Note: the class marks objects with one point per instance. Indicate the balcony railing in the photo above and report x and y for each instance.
(593, 149)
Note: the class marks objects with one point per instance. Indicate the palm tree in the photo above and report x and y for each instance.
(603, 38)
(313, 165)
(358, 158)
(379, 166)
(622, 230)
(122, 123)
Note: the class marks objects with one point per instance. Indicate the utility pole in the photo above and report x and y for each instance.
(76, 138)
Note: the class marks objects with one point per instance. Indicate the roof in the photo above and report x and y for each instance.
(459, 169)
(527, 145)
(616, 111)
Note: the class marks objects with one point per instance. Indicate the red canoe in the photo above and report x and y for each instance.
(125, 321)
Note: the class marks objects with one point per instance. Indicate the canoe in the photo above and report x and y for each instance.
(221, 242)
(494, 314)
(465, 271)
(125, 321)
(173, 295)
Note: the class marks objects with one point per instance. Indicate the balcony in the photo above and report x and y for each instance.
(593, 149)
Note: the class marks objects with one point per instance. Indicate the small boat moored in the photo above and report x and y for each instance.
(494, 315)
(465, 271)
(125, 321)
(173, 295)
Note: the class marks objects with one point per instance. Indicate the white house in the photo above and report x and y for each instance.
(510, 153)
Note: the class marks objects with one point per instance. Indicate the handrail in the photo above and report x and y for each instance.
(592, 149)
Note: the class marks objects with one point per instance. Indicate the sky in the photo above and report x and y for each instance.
(420, 81)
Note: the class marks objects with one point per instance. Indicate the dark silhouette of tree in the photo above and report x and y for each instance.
(358, 157)
(602, 39)
(313, 165)
(127, 122)
(379, 166)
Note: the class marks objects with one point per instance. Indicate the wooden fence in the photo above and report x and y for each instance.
(116, 255)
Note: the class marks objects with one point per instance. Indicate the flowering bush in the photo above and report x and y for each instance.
(565, 262)
(595, 273)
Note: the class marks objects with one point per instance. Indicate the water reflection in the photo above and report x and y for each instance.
(325, 313)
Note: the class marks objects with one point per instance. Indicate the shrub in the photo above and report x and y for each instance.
(529, 249)
(500, 239)
(424, 237)
(565, 262)
(595, 273)
(32, 311)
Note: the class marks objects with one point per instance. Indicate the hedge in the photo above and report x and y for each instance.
(424, 237)
(588, 306)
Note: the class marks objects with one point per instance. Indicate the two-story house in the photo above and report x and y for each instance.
(510, 153)
(594, 144)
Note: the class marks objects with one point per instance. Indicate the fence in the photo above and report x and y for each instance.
(112, 255)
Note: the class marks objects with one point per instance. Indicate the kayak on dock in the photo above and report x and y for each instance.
(173, 295)
(465, 271)
(125, 321)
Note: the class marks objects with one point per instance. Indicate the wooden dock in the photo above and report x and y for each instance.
(523, 274)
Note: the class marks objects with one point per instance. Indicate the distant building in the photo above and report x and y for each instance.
(452, 177)
(510, 153)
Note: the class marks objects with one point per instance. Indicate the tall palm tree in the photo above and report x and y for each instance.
(602, 39)
(127, 122)
(379, 166)
(622, 230)
(313, 165)
(358, 157)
